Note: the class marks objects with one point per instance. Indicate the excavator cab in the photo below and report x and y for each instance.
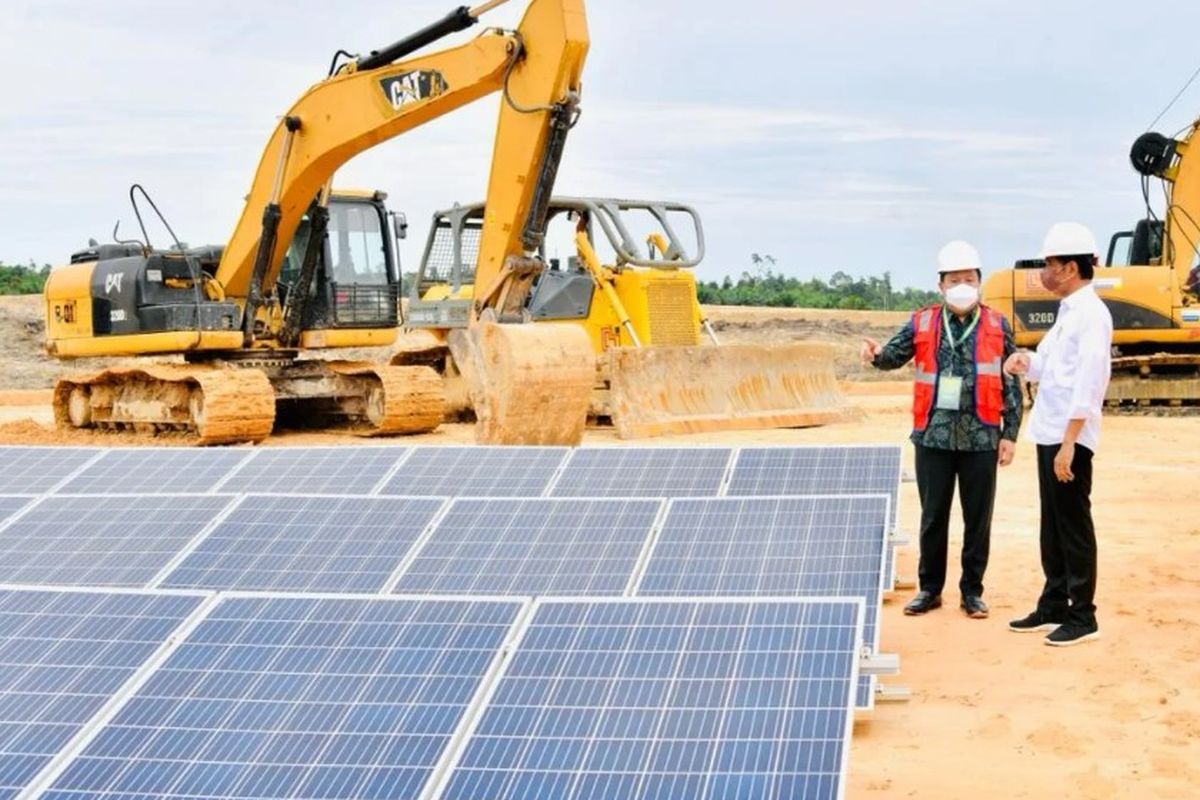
(1141, 246)
(356, 283)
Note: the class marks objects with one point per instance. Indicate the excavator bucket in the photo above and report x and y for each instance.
(529, 384)
(664, 390)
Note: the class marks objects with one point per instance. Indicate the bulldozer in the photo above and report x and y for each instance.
(628, 283)
(1150, 281)
(308, 270)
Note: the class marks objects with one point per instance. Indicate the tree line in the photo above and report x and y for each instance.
(765, 287)
(19, 279)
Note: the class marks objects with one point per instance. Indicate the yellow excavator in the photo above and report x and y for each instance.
(1150, 282)
(308, 269)
(628, 284)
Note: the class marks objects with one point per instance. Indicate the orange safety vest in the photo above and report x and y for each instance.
(989, 354)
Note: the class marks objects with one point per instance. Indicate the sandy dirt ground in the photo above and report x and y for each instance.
(993, 714)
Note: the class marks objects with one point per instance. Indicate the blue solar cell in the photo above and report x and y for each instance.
(298, 697)
(476, 471)
(63, 655)
(11, 504)
(758, 546)
(326, 544)
(650, 699)
(644, 472)
(533, 547)
(818, 470)
(102, 540)
(315, 470)
(149, 470)
(34, 470)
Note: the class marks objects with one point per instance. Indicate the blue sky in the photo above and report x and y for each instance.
(856, 136)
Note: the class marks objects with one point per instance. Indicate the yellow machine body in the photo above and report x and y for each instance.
(276, 289)
(659, 368)
(1148, 282)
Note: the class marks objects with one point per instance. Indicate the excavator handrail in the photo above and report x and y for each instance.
(608, 212)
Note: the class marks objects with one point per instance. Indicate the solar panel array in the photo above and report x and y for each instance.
(298, 697)
(34, 470)
(818, 546)
(63, 656)
(771, 547)
(533, 547)
(156, 471)
(306, 544)
(316, 470)
(644, 472)
(643, 699)
(683, 643)
(477, 471)
(765, 471)
(108, 540)
(11, 504)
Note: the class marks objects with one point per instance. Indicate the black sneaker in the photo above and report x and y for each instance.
(1069, 634)
(974, 607)
(923, 602)
(1037, 621)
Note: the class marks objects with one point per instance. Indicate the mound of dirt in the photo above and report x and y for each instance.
(23, 361)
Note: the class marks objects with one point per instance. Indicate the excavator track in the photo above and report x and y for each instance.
(215, 404)
(211, 404)
(1160, 382)
(398, 399)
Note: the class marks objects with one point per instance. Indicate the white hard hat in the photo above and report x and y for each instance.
(958, 255)
(1068, 239)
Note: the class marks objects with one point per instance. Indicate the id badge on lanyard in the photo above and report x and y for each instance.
(949, 391)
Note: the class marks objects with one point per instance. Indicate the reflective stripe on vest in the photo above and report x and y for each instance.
(989, 355)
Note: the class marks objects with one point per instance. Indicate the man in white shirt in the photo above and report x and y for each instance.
(1072, 368)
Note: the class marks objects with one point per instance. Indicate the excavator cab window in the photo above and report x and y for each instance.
(1141, 246)
(438, 264)
(357, 248)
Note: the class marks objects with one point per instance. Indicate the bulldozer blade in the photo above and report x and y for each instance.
(529, 384)
(664, 390)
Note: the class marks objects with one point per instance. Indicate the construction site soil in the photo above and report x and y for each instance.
(992, 714)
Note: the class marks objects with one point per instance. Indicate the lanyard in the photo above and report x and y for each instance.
(950, 336)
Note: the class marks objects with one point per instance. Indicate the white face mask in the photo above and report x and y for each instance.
(962, 296)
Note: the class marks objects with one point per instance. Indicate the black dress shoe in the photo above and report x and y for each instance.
(923, 602)
(974, 606)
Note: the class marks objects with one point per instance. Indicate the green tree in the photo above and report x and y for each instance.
(17, 279)
(762, 286)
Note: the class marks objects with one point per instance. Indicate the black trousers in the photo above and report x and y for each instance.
(975, 473)
(1068, 538)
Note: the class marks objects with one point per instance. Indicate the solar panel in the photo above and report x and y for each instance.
(476, 471)
(298, 697)
(758, 546)
(108, 540)
(11, 504)
(149, 470)
(643, 472)
(319, 544)
(63, 655)
(315, 470)
(818, 470)
(34, 470)
(533, 547)
(669, 699)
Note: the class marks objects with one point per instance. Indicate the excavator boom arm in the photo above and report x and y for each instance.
(537, 68)
(1183, 215)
